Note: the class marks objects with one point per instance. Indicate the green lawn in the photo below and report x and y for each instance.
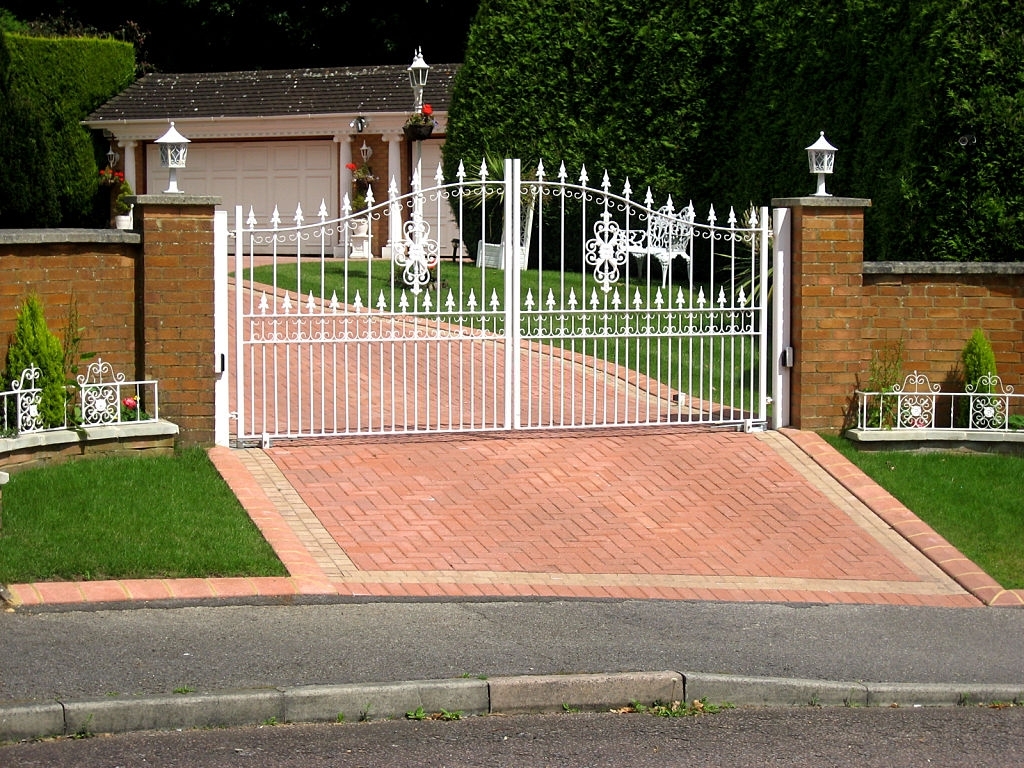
(649, 339)
(128, 517)
(975, 501)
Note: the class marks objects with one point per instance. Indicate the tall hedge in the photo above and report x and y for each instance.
(715, 102)
(47, 87)
(28, 194)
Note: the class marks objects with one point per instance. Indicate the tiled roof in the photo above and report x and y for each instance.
(275, 92)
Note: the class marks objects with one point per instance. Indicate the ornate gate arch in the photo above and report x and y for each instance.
(592, 309)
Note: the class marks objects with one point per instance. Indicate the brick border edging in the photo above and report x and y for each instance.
(908, 525)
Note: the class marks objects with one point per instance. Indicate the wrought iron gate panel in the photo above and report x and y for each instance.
(623, 313)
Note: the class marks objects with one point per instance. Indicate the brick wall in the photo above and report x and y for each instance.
(827, 259)
(145, 299)
(935, 307)
(844, 310)
(175, 288)
(95, 271)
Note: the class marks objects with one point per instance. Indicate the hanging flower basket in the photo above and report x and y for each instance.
(420, 124)
(418, 132)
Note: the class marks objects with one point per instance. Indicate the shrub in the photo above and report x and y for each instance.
(978, 360)
(34, 344)
(979, 363)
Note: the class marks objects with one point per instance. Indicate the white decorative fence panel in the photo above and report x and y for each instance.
(615, 312)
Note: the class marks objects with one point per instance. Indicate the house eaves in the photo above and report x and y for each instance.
(272, 94)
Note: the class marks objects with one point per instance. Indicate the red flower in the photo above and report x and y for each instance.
(350, 166)
(427, 109)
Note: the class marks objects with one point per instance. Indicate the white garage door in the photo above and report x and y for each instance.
(259, 174)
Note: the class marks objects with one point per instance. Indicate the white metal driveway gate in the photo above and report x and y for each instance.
(620, 313)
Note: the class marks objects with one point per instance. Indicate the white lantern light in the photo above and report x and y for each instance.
(418, 72)
(173, 152)
(821, 157)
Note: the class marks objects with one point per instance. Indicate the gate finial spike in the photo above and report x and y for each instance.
(562, 173)
(323, 210)
(298, 215)
(461, 173)
(627, 189)
(276, 218)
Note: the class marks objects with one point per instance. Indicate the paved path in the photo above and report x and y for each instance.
(665, 513)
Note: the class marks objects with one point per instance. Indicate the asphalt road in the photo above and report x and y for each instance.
(866, 738)
(92, 653)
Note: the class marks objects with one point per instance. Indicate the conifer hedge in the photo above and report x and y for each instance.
(48, 160)
(715, 102)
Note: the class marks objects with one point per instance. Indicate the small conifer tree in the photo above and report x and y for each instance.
(978, 360)
(34, 344)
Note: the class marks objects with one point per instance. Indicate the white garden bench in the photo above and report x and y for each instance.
(668, 237)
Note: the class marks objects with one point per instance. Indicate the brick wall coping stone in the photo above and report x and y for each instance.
(147, 428)
(48, 236)
(821, 201)
(943, 268)
(175, 199)
(938, 439)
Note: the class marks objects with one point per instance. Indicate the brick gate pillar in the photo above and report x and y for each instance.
(174, 326)
(827, 259)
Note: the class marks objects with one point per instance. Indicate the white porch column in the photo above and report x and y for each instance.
(394, 141)
(344, 142)
(130, 167)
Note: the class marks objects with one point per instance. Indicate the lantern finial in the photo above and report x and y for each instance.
(821, 157)
(173, 152)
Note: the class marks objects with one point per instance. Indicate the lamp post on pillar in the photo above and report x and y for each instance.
(821, 157)
(173, 151)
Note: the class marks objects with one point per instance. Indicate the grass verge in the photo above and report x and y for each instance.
(974, 501)
(128, 517)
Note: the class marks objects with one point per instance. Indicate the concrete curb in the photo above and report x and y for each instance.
(500, 695)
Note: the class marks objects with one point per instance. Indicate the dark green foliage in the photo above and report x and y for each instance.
(34, 345)
(715, 102)
(48, 161)
(28, 195)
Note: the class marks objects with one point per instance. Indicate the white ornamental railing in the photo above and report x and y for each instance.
(104, 398)
(987, 406)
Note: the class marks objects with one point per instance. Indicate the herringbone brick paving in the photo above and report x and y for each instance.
(664, 513)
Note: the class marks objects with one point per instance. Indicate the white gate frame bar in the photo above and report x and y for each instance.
(239, 328)
(762, 382)
(221, 342)
(782, 355)
(513, 284)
